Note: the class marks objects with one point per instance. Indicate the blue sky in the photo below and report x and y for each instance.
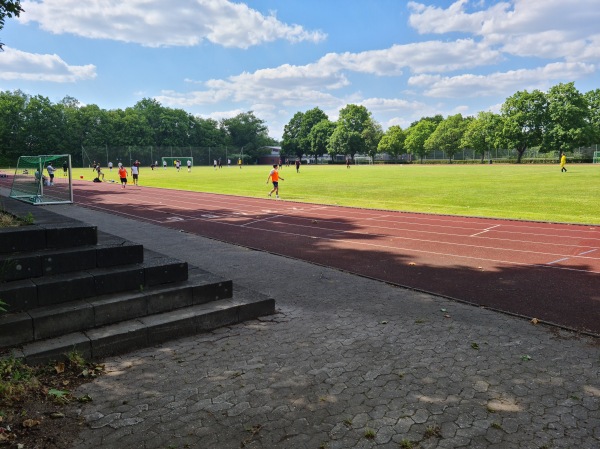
(402, 60)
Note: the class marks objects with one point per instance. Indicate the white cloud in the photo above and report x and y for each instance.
(500, 83)
(547, 29)
(19, 65)
(432, 56)
(155, 23)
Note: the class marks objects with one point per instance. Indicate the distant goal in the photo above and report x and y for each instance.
(170, 161)
(363, 160)
(44, 179)
(596, 159)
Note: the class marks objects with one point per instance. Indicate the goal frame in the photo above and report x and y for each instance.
(363, 160)
(171, 159)
(30, 187)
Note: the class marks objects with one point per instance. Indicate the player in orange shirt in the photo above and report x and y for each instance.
(274, 177)
(123, 175)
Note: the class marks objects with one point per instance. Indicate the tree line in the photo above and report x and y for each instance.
(560, 119)
(34, 125)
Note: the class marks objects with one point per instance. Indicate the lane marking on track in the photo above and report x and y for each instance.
(209, 216)
(259, 221)
(587, 252)
(437, 253)
(377, 217)
(558, 260)
(174, 219)
(484, 231)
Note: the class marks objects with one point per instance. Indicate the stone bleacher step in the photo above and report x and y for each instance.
(156, 269)
(151, 330)
(51, 234)
(108, 252)
(58, 319)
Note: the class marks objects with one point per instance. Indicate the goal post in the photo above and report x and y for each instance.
(44, 179)
(171, 160)
(596, 159)
(363, 160)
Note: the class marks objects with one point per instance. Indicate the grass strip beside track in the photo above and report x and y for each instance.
(527, 192)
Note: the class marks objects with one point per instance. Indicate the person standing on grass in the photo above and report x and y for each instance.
(297, 165)
(99, 172)
(563, 161)
(189, 165)
(240, 162)
(274, 177)
(123, 175)
(51, 171)
(135, 171)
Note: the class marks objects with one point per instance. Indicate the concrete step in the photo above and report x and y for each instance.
(156, 269)
(46, 236)
(108, 252)
(59, 319)
(151, 330)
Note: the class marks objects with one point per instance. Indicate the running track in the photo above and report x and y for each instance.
(542, 270)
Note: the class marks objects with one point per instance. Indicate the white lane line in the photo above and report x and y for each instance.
(484, 231)
(420, 251)
(261, 220)
(558, 260)
(587, 252)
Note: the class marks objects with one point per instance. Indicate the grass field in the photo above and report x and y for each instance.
(532, 192)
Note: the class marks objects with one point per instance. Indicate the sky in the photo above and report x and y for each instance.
(402, 60)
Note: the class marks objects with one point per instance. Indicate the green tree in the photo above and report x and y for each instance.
(417, 135)
(43, 126)
(525, 119)
(150, 114)
(356, 132)
(593, 116)
(296, 134)
(207, 133)
(291, 140)
(12, 124)
(319, 136)
(483, 133)
(448, 135)
(247, 131)
(371, 135)
(568, 119)
(345, 141)
(392, 142)
(437, 119)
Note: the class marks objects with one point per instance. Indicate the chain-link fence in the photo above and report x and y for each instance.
(148, 155)
(205, 156)
(582, 154)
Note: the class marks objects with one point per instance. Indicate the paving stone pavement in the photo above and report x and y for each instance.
(346, 362)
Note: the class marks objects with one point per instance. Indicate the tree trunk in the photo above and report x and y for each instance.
(520, 153)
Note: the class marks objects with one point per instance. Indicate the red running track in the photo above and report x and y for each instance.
(543, 270)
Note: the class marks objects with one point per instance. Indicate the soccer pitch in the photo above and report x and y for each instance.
(529, 191)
